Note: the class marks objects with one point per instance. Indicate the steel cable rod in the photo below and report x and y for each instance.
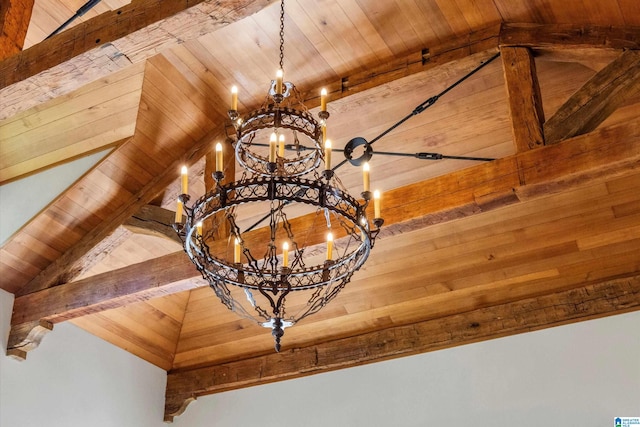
(419, 109)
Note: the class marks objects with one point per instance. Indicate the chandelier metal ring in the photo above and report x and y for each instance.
(275, 117)
(253, 276)
(282, 189)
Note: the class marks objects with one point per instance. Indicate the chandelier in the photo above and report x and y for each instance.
(300, 264)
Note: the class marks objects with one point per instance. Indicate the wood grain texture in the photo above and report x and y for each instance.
(14, 22)
(523, 94)
(161, 108)
(185, 145)
(569, 36)
(108, 43)
(90, 119)
(612, 296)
(597, 99)
(155, 221)
(111, 26)
(458, 195)
(27, 337)
(533, 223)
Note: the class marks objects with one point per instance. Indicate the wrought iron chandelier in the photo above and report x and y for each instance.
(292, 273)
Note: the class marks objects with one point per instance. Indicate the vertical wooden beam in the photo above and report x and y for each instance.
(523, 93)
(15, 16)
(597, 99)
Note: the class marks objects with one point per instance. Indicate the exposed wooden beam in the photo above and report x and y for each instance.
(69, 265)
(597, 99)
(93, 118)
(154, 221)
(27, 337)
(116, 24)
(477, 45)
(523, 94)
(569, 36)
(462, 50)
(524, 176)
(110, 42)
(605, 298)
(108, 290)
(14, 22)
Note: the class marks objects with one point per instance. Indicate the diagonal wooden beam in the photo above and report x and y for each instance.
(154, 221)
(460, 52)
(569, 36)
(107, 43)
(523, 94)
(116, 24)
(524, 176)
(14, 22)
(597, 99)
(67, 266)
(595, 300)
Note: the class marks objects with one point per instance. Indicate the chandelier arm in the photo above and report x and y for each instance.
(275, 180)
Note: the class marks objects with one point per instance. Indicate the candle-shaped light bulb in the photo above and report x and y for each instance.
(323, 100)
(185, 180)
(281, 145)
(376, 204)
(329, 246)
(199, 228)
(219, 159)
(236, 250)
(272, 147)
(234, 98)
(285, 254)
(327, 154)
(179, 208)
(279, 76)
(365, 176)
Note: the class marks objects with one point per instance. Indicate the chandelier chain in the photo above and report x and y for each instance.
(282, 35)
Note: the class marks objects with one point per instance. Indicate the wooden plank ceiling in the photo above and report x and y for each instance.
(549, 233)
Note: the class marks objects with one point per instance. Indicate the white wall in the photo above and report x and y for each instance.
(579, 375)
(35, 192)
(75, 379)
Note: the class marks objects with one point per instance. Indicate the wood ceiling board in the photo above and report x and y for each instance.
(184, 113)
(527, 315)
(527, 250)
(467, 179)
(133, 249)
(104, 207)
(630, 12)
(48, 15)
(74, 125)
(119, 329)
(90, 96)
(202, 79)
(376, 319)
(337, 38)
(14, 21)
(71, 71)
